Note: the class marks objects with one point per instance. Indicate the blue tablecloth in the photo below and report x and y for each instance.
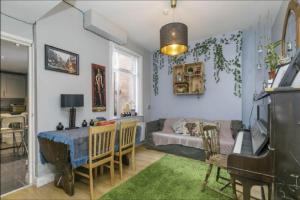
(77, 140)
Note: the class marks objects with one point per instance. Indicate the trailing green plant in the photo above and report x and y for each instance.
(211, 47)
(177, 60)
(158, 62)
(220, 62)
(272, 58)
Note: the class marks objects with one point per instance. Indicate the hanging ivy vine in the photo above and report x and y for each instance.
(158, 63)
(176, 60)
(215, 46)
(211, 47)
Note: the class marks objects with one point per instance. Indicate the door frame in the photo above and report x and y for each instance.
(31, 103)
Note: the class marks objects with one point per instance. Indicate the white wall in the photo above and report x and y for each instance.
(62, 28)
(16, 27)
(217, 103)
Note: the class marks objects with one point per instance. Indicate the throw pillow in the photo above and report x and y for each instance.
(178, 126)
(192, 129)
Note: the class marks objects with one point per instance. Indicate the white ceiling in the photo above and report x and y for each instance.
(142, 19)
(14, 58)
(28, 11)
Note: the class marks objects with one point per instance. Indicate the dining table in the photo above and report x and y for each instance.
(67, 150)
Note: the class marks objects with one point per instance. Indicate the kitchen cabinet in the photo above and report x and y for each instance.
(13, 86)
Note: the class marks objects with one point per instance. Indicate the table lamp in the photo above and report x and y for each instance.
(71, 101)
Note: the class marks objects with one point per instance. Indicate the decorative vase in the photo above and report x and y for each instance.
(60, 127)
(92, 123)
(84, 123)
(272, 74)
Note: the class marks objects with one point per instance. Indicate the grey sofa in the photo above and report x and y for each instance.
(169, 142)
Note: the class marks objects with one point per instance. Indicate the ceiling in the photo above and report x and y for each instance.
(14, 58)
(28, 11)
(142, 19)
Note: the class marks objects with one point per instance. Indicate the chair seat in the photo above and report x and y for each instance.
(219, 160)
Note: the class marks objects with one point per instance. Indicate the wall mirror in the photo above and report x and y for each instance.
(291, 30)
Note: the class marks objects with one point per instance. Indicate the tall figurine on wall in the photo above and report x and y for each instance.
(98, 88)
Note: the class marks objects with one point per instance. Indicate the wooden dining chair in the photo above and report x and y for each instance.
(126, 144)
(211, 145)
(101, 152)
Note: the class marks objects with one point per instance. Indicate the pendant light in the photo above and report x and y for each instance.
(173, 37)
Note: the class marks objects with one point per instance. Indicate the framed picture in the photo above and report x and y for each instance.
(98, 88)
(61, 60)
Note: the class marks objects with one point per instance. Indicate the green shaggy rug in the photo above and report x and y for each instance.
(172, 177)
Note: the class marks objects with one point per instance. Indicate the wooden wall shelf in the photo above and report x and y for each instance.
(188, 79)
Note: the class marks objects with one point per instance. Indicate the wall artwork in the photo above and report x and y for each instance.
(61, 60)
(98, 88)
(210, 49)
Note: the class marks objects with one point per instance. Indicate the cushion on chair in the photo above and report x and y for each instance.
(219, 160)
(105, 123)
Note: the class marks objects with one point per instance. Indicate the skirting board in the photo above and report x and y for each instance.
(43, 180)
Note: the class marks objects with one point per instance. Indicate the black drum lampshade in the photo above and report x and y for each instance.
(174, 39)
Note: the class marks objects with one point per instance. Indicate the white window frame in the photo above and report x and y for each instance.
(139, 74)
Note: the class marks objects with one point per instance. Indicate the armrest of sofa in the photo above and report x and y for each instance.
(151, 127)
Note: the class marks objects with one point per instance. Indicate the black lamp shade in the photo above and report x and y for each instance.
(174, 39)
(71, 100)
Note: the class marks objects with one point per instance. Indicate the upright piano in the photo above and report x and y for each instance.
(252, 158)
(269, 153)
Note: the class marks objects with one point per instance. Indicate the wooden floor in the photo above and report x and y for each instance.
(144, 158)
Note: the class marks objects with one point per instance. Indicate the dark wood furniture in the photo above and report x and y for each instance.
(286, 129)
(280, 162)
(58, 154)
(211, 145)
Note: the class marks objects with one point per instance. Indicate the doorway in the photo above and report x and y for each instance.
(17, 106)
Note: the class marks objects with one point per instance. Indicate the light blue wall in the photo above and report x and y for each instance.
(277, 27)
(218, 101)
(248, 73)
(253, 78)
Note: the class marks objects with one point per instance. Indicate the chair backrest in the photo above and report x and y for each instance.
(101, 141)
(127, 134)
(15, 122)
(211, 140)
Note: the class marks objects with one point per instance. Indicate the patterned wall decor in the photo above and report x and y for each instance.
(211, 48)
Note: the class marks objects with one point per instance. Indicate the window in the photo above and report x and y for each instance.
(126, 81)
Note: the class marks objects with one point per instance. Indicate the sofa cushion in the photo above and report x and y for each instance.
(226, 140)
(192, 128)
(167, 128)
(160, 138)
(178, 126)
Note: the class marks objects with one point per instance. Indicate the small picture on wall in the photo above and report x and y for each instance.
(98, 88)
(61, 60)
